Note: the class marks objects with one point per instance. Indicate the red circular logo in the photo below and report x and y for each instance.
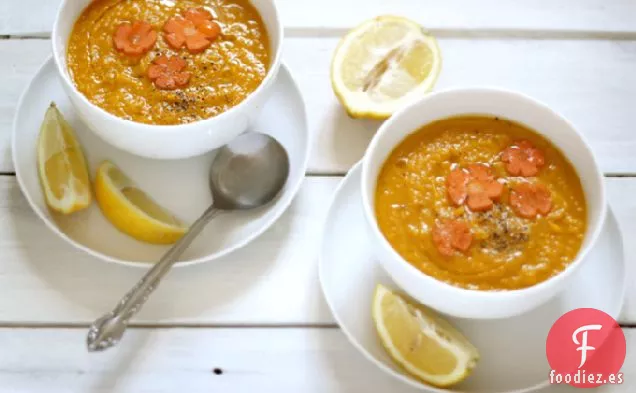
(585, 348)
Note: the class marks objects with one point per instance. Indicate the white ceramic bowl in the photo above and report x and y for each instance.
(453, 300)
(167, 142)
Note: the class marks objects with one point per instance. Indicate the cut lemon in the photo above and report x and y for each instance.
(382, 65)
(61, 165)
(131, 210)
(425, 345)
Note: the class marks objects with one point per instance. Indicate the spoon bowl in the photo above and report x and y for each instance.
(248, 172)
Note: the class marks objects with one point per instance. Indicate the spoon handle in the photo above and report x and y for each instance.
(106, 331)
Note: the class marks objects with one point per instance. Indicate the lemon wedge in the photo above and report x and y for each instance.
(61, 165)
(425, 345)
(382, 65)
(131, 210)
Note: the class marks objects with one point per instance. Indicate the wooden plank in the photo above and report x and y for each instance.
(272, 281)
(591, 82)
(35, 17)
(245, 360)
(21, 59)
(596, 93)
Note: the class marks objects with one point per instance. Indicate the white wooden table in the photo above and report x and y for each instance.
(258, 322)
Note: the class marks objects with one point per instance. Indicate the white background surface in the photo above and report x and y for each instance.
(261, 317)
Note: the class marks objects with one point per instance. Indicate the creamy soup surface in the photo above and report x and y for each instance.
(481, 203)
(209, 55)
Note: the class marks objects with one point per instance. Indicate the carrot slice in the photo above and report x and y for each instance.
(195, 30)
(523, 159)
(197, 15)
(456, 186)
(210, 29)
(174, 32)
(529, 200)
(483, 189)
(197, 42)
(478, 200)
(475, 187)
(450, 236)
(134, 39)
(168, 73)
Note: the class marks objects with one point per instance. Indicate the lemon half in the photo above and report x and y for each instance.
(425, 345)
(131, 210)
(61, 165)
(384, 64)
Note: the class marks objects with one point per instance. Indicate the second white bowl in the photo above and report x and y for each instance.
(457, 301)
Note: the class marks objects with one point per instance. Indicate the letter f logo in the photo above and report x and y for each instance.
(583, 344)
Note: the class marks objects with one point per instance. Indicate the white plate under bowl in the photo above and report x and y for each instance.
(512, 350)
(179, 185)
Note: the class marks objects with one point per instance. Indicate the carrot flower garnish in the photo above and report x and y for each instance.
(450, 236)
(195, 29)
(134, 39)
(523, 159)
(476, 187)
(528, 200)
(168, 73)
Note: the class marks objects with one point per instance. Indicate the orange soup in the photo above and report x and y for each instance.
(168, 62)
(481, 203)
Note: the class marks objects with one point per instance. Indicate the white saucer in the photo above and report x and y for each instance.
(179, 185)
(512, 350)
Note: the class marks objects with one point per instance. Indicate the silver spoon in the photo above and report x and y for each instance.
(247, 173)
